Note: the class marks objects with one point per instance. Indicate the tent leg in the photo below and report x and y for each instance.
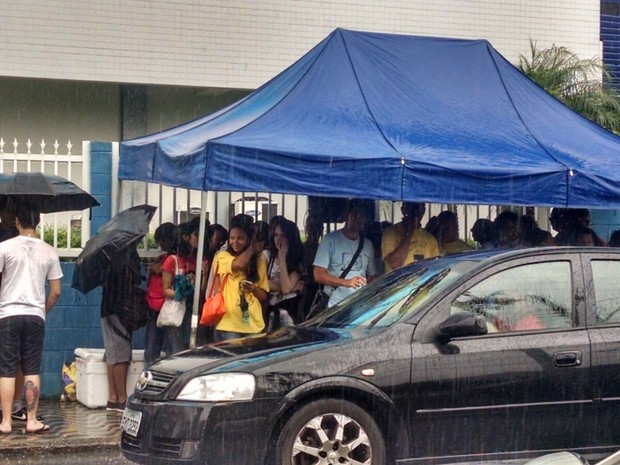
(197, 281)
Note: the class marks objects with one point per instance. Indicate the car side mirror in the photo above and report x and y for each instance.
(463, 324)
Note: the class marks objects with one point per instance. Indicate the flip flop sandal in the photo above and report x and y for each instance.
(43, 429)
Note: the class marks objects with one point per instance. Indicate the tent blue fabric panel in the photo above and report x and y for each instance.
(395, 117)
(465, 141)
(149, 158)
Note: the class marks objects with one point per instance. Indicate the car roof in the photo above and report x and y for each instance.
(482, 255)
(483, 258)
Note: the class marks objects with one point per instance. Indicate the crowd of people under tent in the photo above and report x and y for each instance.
(269, 277)
(273, 275)
(267, 274)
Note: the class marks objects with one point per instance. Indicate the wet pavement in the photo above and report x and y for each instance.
(73, 427)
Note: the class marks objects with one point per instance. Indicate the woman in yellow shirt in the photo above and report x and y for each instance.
(246, 287)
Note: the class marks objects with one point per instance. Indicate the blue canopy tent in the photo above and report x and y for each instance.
(393, 117)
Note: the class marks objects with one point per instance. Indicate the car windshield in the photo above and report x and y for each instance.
(393, 296)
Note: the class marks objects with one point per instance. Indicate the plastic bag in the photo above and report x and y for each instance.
(69, 376)
(171, 313)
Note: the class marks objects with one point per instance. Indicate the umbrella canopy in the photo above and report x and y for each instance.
(113, 239)
(48, 192)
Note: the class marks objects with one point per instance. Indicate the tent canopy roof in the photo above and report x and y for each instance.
(395, 117)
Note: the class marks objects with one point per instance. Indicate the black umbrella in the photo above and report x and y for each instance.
(48, 192)
(112, 240)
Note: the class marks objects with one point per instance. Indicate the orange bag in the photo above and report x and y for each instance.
(213, 309)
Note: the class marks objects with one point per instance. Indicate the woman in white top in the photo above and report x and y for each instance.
(284, 257)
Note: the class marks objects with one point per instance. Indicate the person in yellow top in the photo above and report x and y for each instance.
(246, 287)
(406, 242)
(448, 234)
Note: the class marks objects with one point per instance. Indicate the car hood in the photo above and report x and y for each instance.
(241, 353)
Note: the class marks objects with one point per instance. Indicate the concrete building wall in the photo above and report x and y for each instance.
(63, 110)
(241, 44)
(46, 109)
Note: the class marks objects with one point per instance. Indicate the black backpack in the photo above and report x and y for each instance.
(134, 312)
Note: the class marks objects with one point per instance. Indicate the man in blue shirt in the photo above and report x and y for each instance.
(337, 250)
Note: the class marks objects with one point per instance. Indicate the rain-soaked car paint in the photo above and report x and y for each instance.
(479, 356)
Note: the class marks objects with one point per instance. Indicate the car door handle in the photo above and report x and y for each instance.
(567, 359)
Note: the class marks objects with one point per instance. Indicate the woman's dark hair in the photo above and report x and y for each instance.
(245, 222)
(183, 229)
(192, 226)
(483, 231)
(211, 230)
(166, 237)
(506, 225)
(598, 242)
(183, 247)
(260, 231)
(295, 255)
(432, 225)
(314, 227)
(276, 220)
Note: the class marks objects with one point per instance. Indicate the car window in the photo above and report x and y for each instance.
(606, 274)
(393, 296)
(527, 297)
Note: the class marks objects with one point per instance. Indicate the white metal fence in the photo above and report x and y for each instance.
(67, 231)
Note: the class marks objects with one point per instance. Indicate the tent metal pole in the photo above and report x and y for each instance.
(197, 281)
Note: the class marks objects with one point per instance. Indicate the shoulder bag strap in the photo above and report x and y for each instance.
(118, 331)
(272, 260)
(223, 283)
(211, 291)
(176, 265)
(350, 265)
(217, 276)
(357, 254)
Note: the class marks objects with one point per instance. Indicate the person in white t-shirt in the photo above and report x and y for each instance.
(26, 263)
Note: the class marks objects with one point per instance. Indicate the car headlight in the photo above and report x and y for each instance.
(219, 387)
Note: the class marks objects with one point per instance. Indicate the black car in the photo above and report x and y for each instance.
(480, 356)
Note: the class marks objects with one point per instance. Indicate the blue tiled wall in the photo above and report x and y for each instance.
(74, 321)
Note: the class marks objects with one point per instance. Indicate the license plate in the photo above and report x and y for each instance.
(131, 422)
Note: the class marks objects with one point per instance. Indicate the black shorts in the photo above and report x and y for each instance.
(22, 339)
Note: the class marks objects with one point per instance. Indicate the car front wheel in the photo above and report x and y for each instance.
(331, 431)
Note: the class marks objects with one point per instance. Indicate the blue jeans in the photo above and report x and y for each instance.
(173, 339)
(154, 339)
(169, 339)
(227, 335)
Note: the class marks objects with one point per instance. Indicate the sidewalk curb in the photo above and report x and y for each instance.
(63, 445)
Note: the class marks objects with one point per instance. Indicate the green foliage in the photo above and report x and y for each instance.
(150, 241)
(76, 237)
(579, 84)
(48, 236)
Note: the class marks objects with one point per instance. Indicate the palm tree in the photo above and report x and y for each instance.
(580, 84)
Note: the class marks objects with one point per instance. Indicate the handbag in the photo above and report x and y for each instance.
(214, 309)
(172, 311)
(321, 298)
(319, 303)
(154, 296)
